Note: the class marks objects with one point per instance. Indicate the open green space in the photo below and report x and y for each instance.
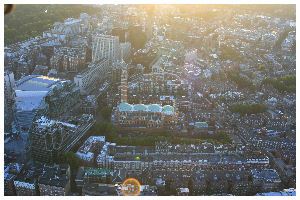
(283, 84)
(140, 138)
(248, 108)
(30, 20)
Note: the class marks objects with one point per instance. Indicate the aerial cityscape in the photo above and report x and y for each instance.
(150, 100)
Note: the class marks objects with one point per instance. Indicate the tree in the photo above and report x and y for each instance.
(137, 38)
(180, 92)
(248, 108)
(262, 67)
(230, 186)
(108, 179)
(71, 159)
(106, 113)
(31, 20)
(229, 53)
(191, 185)
(242, 82)
(208, 188)
(168, 185)
(283, 84)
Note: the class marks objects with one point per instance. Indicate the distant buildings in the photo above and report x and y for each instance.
(158, 83)
(98, 181)
(105, 46)
(54, 180)
(64, 31)
(266, 179)
(68, 59)
(178, 81)
(10, 173)
(44, 180)
(9, 188)
(25, 184)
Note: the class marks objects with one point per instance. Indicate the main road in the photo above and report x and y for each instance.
(82, 131)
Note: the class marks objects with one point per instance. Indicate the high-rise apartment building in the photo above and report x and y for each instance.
(96, 72)
(105, 46)
(49, 139)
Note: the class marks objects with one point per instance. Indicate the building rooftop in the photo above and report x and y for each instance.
(85, 151)
(36, 83)
(155, 108)
(99, 189)
(140, 107)
(168, 110)
(54, 176)
(126, 107)
(285, 192)
(32, 89)
(268, 175)
(97, 172)
(201, 125)
(43, 122)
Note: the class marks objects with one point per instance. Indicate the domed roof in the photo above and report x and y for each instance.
(140, 107)
(124, 107)
(154, 108)
(168, 110)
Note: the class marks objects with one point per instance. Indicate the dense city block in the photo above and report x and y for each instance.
(116, 100)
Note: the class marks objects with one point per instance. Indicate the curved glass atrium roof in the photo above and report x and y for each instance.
(140, 107)
(168, 110)
(126, 107)
(32, 89)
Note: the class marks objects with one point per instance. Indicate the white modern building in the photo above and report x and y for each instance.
(88, 79)
(91, 145)
(105, 46)
(31, 92)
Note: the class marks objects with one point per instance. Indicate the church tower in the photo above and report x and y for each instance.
(124, 86)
